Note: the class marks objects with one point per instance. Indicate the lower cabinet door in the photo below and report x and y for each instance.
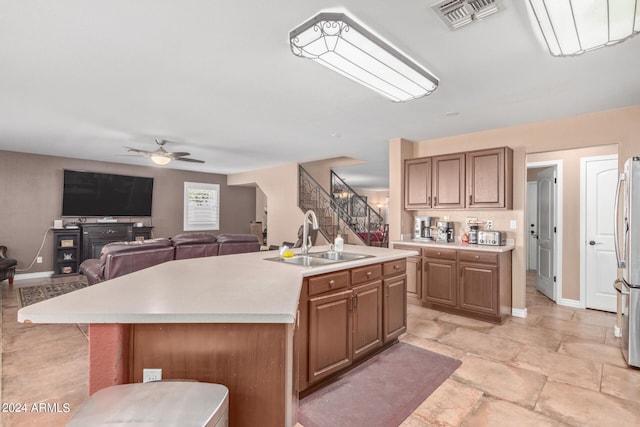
(367, 318)
(440, 282)
(395, 307)
(479, 288)
(330, 334)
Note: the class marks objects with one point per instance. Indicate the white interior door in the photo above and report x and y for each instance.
(601, 177)
(546, 232)
(532, 224)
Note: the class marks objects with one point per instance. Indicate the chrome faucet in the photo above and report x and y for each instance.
(306, 243)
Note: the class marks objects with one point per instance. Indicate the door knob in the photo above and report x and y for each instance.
(593, 242)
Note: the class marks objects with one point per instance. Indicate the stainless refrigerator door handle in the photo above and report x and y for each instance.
(621, 262)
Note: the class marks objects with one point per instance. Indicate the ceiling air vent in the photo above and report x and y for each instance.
(458, 13)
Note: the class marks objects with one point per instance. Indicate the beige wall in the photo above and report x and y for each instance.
(616, 127)
(31, 194)
(280, 186)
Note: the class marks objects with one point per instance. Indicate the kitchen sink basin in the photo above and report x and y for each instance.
(338, 256)
(320, 258)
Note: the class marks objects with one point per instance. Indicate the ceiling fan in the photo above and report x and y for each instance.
(160, 156)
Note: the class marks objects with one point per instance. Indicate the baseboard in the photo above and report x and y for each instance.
(519, 312)
(39, 275)
(570, 303)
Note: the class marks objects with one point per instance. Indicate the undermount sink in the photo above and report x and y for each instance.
(320, 258)
(338, 256)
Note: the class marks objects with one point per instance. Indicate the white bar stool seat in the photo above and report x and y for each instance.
(160, 403)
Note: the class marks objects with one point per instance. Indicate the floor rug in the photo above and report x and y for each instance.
(381, 392)
(32, 294)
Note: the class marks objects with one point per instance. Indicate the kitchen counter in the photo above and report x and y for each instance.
(242, 288)
(190, 317)
(454, 245)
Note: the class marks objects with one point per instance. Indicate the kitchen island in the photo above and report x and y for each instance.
(230, 320)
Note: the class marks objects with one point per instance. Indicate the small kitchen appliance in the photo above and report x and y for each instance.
(491, 238)
(423, 228)
(445, 231)
(628, 257)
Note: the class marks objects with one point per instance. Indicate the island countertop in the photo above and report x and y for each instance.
(242, 288)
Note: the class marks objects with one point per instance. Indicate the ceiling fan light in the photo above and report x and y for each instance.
(341, 44)
(160, 160)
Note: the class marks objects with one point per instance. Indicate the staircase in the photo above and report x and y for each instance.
(339, 214)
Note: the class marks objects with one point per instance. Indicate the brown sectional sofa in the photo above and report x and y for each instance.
(120, 258)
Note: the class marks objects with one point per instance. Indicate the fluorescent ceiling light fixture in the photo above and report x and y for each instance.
(574, 27)
(341, 44)
(160, 160)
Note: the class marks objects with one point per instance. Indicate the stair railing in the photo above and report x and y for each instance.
(332, 219)
(365, 222)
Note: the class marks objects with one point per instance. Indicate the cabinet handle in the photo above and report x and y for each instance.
(477, 257)
(396, 267)
(331, 283)
(470, 199)
(435, 200)
(368, 274)
(354, 300)
(439, 254)
(429, 200)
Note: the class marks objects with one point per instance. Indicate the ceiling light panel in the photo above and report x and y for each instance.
(574, 27)
(341, 44)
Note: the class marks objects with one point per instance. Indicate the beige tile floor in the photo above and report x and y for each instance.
(559, 367)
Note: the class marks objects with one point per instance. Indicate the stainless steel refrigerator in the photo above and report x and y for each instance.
(627, 245)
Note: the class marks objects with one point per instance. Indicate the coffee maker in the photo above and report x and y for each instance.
(422, 229)
(445, 231)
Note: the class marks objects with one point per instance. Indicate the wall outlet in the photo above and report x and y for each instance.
(489, 224)
(149, 375)
(39, 260)
(513, 224)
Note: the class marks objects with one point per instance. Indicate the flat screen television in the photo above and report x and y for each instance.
(105, 195)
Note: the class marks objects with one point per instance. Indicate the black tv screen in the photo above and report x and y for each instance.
(103, 195)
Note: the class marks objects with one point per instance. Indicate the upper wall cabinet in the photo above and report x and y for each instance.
(417, 183)
(490, 178)
(448, 181)
(475, 180)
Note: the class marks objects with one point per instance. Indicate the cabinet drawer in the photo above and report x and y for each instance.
(364, 274)
(394, 267)
(328, 282)
(439, 253)
(477, 256)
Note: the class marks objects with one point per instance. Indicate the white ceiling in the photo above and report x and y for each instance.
(83, 78)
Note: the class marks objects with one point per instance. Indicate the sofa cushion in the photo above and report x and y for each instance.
(195, 245)
(237, 244)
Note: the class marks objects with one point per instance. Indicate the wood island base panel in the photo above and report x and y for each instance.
(251, 360)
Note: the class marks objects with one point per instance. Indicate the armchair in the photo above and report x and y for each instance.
(7, 266)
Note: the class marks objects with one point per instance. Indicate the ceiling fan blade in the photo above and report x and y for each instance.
(186, 159)
(136, 150)
(179, 154)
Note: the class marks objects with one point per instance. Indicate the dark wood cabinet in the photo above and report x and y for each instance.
(471, 283)
(346, 316)
(490, 178)
(395, 307)
(440, 279)
(330, 334)
(66, 252)
(448, 184)
(417, 183)
(481, 179)
(96, 235)
(367, 318)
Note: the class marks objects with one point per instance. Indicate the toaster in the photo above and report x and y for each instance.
(491, 238)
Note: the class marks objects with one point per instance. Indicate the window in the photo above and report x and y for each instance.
(201, 206)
